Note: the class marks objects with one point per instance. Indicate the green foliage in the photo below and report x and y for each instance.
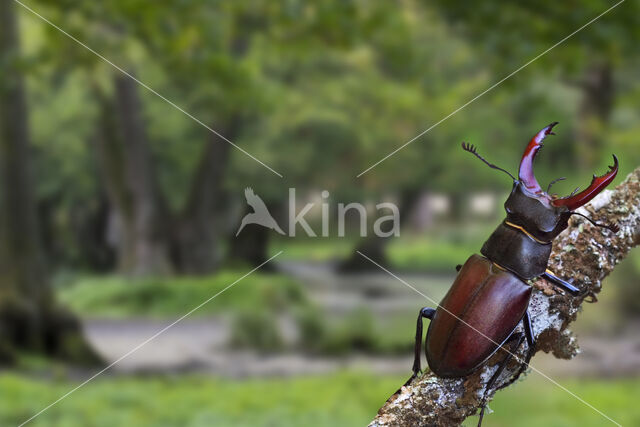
(325, 249)
(535, 402)
(320, 91)
(340, 399)
(313, 330)
(433, 255)
(256, 329)
(357, 332)
(198, 401)
(520, 30)
(436, 252)
(255, 305)
(117, 297)
(625, 278)
(441, 250)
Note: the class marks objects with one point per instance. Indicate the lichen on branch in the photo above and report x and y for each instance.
(583, 254)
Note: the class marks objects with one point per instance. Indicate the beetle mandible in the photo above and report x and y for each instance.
(490, 295)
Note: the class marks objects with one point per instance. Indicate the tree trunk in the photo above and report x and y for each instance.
(374, 246)
(459, 207)
(582, 253)
(29, 319)
(195, 249)
(251, 246)
(139, 226)
(88, 222)
(594, 112)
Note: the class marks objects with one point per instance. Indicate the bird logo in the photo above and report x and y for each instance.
(260, 214)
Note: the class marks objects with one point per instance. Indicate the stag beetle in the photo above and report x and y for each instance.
(490, 295)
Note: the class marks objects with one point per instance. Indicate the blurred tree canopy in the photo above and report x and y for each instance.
(319, 92)
(590, 63)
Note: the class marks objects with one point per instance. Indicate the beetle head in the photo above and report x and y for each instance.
(537, 211)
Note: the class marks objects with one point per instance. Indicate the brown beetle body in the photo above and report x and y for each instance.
(477, 296)
(489, 297)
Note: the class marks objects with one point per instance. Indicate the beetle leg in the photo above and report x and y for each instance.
(612, 227)
(501, 366)
(561, 283)
(528, 330)
(531, 341)
(592, 297)
(458, 267)
(425, 312)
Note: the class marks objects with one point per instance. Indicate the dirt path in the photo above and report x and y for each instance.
(200, 344)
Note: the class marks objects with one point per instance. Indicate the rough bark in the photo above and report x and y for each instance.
(139, 213)
(582, 253)
(29, 318)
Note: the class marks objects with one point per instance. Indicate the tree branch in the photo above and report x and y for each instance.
(583, 254)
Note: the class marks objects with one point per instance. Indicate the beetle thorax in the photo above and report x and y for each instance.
(522, 242)
(534, 214)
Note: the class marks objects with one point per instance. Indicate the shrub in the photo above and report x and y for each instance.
(257, 330)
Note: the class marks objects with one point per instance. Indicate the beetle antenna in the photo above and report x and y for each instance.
(613, 227)
(553, 182)
(574, 191)
(472, 149)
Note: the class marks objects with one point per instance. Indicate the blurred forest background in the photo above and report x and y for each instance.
(118, 212)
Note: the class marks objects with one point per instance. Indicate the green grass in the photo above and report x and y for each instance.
(536, 402)
(421, 254)
(341, 399)
(313, 249)
(119, 297)
(437, 251)
(440, 250)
